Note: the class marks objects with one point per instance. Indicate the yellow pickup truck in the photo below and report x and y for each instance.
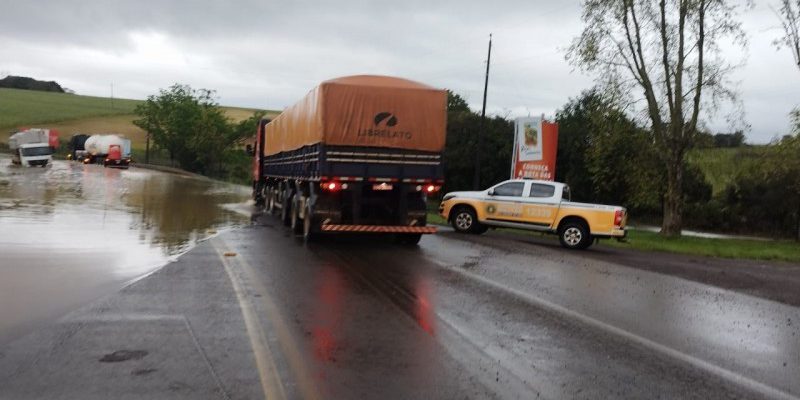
(534, 205)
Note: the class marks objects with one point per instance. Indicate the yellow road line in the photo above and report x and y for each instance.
(304, 383)
(267, 372)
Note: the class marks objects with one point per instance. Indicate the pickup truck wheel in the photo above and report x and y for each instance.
(574, 235)
(286, 209)
(464, 220)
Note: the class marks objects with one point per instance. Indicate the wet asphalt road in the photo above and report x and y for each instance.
(466, 317)
(256, 313)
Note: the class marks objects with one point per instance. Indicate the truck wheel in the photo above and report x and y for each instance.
(409, 239)
(310, 229)
(286, 211)
(574, 235)
(269, 201)
(297, 223)
(258, 194)
(464, 220)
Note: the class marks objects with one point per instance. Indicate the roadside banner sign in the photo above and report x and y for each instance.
(535, 147)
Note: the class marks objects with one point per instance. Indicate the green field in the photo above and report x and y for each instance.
(721, 165)
(69, 113)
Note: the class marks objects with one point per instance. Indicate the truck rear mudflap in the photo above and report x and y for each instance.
(378, 228)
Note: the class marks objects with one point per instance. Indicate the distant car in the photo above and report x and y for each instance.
(534, 205)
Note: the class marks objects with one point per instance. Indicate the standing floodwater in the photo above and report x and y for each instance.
(71, 232)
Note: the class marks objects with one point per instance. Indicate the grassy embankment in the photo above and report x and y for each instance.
(74, 113)
(769, 250)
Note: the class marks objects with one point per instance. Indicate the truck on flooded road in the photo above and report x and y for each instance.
(357, 154)
(31, 148)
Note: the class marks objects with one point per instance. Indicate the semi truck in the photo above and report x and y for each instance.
(356, 154)
(76, 146)
(109, 150)
(31, 147)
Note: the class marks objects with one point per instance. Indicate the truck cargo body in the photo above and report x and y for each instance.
(31, 148)
(109, 150)
(357, 154)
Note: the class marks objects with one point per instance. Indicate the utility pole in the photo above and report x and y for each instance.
(476, 180)
(112, 95)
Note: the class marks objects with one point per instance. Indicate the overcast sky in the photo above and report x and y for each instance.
(268, 54)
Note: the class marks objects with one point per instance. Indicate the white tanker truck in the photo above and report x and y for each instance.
(109, 150)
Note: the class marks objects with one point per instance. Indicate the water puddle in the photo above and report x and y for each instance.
(71, 232)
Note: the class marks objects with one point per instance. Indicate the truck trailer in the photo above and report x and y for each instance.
(356, 154)
(31, 148)
(109, 150)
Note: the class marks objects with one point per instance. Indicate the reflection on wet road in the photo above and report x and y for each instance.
(71, 232)
(485, 319)
(255, 312)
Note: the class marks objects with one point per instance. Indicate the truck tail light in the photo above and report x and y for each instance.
(428, 188)
(619, 216)
(332, 186)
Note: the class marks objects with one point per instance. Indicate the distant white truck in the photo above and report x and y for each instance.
(31, 148)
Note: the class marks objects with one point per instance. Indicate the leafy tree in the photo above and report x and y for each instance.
(459, 156)
(789, 14)
(190, 125)
(669, 51)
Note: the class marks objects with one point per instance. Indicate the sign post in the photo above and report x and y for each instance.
(535, 148)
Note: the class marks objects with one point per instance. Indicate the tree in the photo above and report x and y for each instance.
(188, 124)
(605, 156)
(789, 15)
(459, 155)
(670, 51)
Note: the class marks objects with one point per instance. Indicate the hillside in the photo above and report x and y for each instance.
(70, 113)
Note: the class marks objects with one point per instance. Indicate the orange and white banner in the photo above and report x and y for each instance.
(535, 147)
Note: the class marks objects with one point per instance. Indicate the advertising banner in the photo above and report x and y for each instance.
(535, 147)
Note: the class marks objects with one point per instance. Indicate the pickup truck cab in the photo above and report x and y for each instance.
(534, 205)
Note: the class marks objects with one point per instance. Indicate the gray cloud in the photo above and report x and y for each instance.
(269, 53)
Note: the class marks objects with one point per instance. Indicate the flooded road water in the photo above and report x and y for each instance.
(70, 233)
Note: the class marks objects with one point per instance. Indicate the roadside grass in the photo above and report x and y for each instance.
(766, 250)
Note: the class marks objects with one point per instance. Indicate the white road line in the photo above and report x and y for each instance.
(713, 369)
(267, 372)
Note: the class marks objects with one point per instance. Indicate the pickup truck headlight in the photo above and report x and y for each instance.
(448, 197)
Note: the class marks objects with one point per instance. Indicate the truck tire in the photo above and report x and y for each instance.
(310, 228)
(269, 201)
(297, 223)
(286, 211)
(408, 239)
(464, 220)
(258, 194)
(574, 235)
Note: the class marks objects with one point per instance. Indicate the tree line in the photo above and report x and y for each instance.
(193, 129)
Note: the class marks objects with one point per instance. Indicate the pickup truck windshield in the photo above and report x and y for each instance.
(36, 151)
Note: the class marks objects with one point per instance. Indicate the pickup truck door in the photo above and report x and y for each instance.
(541, 204)
(506, 203)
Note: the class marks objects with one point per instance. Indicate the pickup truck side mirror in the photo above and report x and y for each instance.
(249, 150)
(491, 192)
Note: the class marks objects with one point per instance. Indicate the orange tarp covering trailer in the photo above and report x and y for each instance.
(363, 111)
